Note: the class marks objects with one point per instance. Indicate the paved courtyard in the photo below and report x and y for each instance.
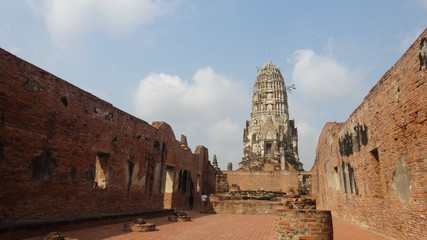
(212, 226)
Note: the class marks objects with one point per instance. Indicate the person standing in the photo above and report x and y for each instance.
(191, 200)
(204, 198)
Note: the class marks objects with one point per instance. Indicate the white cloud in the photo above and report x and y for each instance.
(326, 90)
(160, 94)
(67, 19)
(225, 131)
(206, 109)
(321, 77)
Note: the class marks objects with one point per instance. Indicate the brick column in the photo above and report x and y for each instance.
(302, 224)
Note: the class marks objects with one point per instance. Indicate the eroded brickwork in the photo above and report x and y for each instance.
(304, 225)
(65, 152)
(276, 181)
(372, 168)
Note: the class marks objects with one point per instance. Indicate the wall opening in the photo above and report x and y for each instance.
(186, 184)
(183, 181)
(375, 177)
(101, 171)
(169, 179)
(64, 101)
(42, 167)
(198, 183)
(130, 167)
(268, 148)
(375, 155)
(73, 176)
(169, 182)
(1, 152)
(161, 168)
(304, 184)
(180, 180)
(347, 179)
(90, 175)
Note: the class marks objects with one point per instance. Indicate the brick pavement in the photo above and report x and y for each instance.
(211, 226)
(344, 230)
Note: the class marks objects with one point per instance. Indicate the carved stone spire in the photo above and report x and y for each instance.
(269, 138)
(214, 161)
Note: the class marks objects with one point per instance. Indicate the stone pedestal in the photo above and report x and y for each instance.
(179, 217)
(56, 236)
(146, 227)
(139, 225)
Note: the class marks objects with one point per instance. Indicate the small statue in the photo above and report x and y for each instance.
(54, 236)
(139, 221)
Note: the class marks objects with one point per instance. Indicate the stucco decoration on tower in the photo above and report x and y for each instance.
(270, 139)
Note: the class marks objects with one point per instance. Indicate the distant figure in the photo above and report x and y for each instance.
(191, 200)
(204, 198)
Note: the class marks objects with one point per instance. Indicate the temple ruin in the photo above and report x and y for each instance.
(270, 161)
(69, 159)
(270, 139)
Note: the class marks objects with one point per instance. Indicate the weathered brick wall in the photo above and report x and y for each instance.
(301, 224)
(276, 181)
(65, 152)
(252, 207)
(372, 168)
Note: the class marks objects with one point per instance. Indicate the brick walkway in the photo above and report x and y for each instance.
(344, 230)
(211, 226)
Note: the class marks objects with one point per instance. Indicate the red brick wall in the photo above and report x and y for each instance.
(301, 224)
(279, 181)
(372, 168)
(252, 207)
(51, 134)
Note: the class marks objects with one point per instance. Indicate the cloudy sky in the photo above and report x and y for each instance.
(193, 63)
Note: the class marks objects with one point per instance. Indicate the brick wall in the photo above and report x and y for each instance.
(278, 181)
(304, 225)
(65, 152)
(245, 206)
(372, 168)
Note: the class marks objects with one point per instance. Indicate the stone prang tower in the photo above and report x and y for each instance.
(270, 139)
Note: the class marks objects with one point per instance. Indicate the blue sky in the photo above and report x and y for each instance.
(193, 63)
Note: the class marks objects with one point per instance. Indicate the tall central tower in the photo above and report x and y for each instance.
(270, 139)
